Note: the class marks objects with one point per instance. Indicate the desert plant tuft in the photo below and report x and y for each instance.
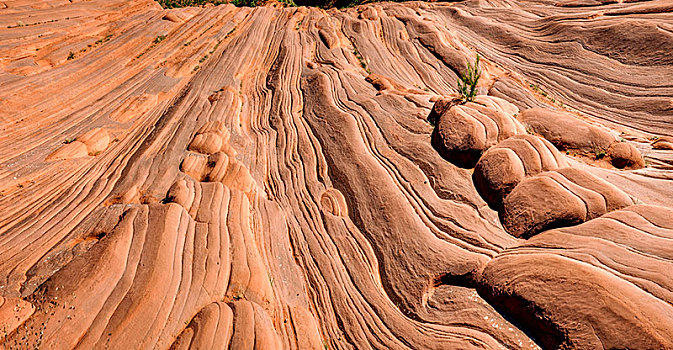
(169, 4)
(245, 3)
(599, 152)
(467, 84)
(159, 39)
(363, 63)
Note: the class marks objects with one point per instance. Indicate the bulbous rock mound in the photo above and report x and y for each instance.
(503, 166)
(559, 198)
(558, 279)
(465, 131)
(275, 177)
(567, 132)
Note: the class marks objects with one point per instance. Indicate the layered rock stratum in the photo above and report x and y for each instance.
(299, 178)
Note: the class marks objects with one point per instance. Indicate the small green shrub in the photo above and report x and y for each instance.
(467, 84)
(169, 4)
(104, 40)
(71, 56)
(245, 3)
(159, 39)
(539, 90)
(599, 152)
(363, 63)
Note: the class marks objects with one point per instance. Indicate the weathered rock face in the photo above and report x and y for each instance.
(267, 178)
(465, 131)
(625, 155)
(559, 279)
(566, 131)
(570, 133)
(502, 167)
(665, 143)
(559, 198)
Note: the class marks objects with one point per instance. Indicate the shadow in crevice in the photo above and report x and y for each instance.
(465, 280)
(524, 315)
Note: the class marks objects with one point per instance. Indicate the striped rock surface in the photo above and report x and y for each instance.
(503, 166)
(225, 177)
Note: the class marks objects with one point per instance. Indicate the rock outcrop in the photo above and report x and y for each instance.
(502, 167)
(267, 178)
(558, 280)
(559, 198)
(465, 131)
(569, 133)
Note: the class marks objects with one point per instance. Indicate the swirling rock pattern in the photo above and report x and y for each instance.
(503, 166)
(591, 271)
(559, 198)
(465, 131)
(265, 178)
(570, 133)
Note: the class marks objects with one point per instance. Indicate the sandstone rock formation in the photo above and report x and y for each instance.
(665, 143)
(267, 178)
(559, 198)
(557, 280)
(503, 166)
(465, 131)
(570, 133)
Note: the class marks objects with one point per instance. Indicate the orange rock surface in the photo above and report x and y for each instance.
(268, 178)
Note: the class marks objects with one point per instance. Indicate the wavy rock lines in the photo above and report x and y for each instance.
(264, 178)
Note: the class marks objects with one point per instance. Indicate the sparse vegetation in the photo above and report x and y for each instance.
(215, 47)
(169, 4)
(71, 56)
(467, 84)
(245, 3)
(239, 295)
(544, 94)
(69, 140)
(599, 153)
(155, 42)
(159, 39)
(537, 89)
(363, 63)
(104, 40)
(230, 32)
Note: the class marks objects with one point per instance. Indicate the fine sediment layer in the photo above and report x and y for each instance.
(265, 178)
